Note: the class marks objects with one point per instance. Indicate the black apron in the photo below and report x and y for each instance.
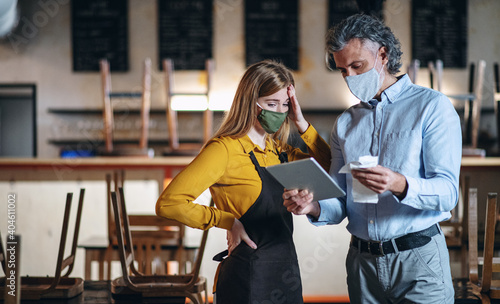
(270, 273)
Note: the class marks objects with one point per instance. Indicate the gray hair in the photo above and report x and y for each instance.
(366, 28)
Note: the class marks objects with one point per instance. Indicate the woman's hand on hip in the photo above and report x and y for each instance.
(236, 235)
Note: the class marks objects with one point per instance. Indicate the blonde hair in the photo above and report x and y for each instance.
(260, 79)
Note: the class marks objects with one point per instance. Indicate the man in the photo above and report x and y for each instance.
(397, 253)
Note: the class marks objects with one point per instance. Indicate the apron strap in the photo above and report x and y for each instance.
(282, 156)
(219, 257)
(283, 159)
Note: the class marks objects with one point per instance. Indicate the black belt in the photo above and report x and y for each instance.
(405, 242)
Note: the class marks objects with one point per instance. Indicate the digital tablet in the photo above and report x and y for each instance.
(306, 174)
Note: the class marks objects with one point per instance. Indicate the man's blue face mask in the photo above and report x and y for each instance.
(365, 86)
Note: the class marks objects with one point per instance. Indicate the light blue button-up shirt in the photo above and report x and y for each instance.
(414, 131)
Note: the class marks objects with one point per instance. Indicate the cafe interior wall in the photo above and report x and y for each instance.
(41, 53)
(43, 56)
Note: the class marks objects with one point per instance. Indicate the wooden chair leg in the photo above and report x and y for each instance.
(139, 256)
(473, 250)
(464, 261)
(485, 299)
(102, 260)
(148, 258)
(157, 261)
(465, 184)
(88, 265)
(109, 261)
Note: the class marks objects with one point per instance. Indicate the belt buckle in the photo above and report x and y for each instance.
(379, 247)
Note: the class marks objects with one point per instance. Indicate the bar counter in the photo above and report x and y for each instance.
(96, 163)
(480, 163)
(163, 163)
(161, 169)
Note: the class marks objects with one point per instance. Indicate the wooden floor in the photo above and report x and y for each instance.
(98, 292)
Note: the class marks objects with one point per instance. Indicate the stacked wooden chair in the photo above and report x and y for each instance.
(100, 249)
(412, 70)
(485, 287)
(140, 149)
(159, 243)
(61, 286)
(496, 100)
(436, 74)
(135, 283)
(472, 105)
(472, 100)
(456, 228)
(175, 147)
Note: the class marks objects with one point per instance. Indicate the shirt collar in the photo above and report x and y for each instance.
(392, 93)
(248, 144)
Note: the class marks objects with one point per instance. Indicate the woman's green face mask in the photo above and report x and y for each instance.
(271, 121)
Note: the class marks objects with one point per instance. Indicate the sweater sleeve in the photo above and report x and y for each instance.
(177, 200)
(317, 147)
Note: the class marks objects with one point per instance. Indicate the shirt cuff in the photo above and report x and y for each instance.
(412, 186)
(310, 135)
(226, 221)
(327, 215)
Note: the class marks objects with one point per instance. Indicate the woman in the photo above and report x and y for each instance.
(249, 200)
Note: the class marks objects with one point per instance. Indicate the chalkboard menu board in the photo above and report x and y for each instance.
(99, 30)
(185, 32)
(272, 31)
(338, 10)
(439, 31)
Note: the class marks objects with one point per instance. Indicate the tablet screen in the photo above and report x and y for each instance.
(306, 174)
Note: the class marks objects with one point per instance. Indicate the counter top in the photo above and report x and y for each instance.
(480, 162)
(126, 162)
(165, 161)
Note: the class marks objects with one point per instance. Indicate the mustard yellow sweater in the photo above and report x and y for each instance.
(225, 167)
